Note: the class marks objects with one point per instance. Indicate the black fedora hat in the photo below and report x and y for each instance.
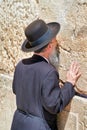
(38, 34)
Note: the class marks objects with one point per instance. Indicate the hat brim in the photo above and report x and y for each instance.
(54, 29)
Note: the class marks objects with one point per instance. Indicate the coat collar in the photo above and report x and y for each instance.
(39, 58)
(42, 57)
(34, 59)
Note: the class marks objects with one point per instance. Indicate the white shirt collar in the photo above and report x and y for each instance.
(46, 59)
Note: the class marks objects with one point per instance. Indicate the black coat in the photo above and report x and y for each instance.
(38, 95)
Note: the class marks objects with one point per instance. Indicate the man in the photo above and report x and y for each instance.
(36, 82)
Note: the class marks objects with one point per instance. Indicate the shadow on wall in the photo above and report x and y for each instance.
(62, 118)
(67, 118)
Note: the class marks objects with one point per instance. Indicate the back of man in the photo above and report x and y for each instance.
(36, 82)
(38, 95)
(27, 85)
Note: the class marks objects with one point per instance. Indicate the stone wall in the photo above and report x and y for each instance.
(15, 15)
(74, 116)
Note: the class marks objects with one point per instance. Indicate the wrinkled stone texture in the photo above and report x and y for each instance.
(15, 15)
(7, 102)
(74, 116)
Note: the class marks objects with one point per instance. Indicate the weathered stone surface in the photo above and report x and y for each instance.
(5, 81)
(7, 108)
(7, 102)
(15, 15)
(73, 44)
(74, 116)
(69, 121)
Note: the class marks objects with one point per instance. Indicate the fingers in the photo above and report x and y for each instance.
(74, 73)
(78, 75)
(74, 67)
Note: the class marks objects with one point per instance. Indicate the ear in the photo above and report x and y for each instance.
(49, 46)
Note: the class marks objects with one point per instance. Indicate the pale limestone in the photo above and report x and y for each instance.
(7, 108)
(7, 102)
(15, 15)
(74, 116)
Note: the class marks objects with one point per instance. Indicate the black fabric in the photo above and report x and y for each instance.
(38, 95)
(81, 95)
(33, 59)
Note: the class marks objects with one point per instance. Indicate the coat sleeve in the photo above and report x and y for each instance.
(54, 98)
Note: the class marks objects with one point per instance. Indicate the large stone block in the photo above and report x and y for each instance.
(74, 116)
(7, 102)
(15, 15)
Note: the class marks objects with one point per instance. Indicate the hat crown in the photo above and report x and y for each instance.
(39, 34)
(35, 30)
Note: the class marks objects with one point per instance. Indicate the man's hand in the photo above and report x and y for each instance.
(74, 73)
